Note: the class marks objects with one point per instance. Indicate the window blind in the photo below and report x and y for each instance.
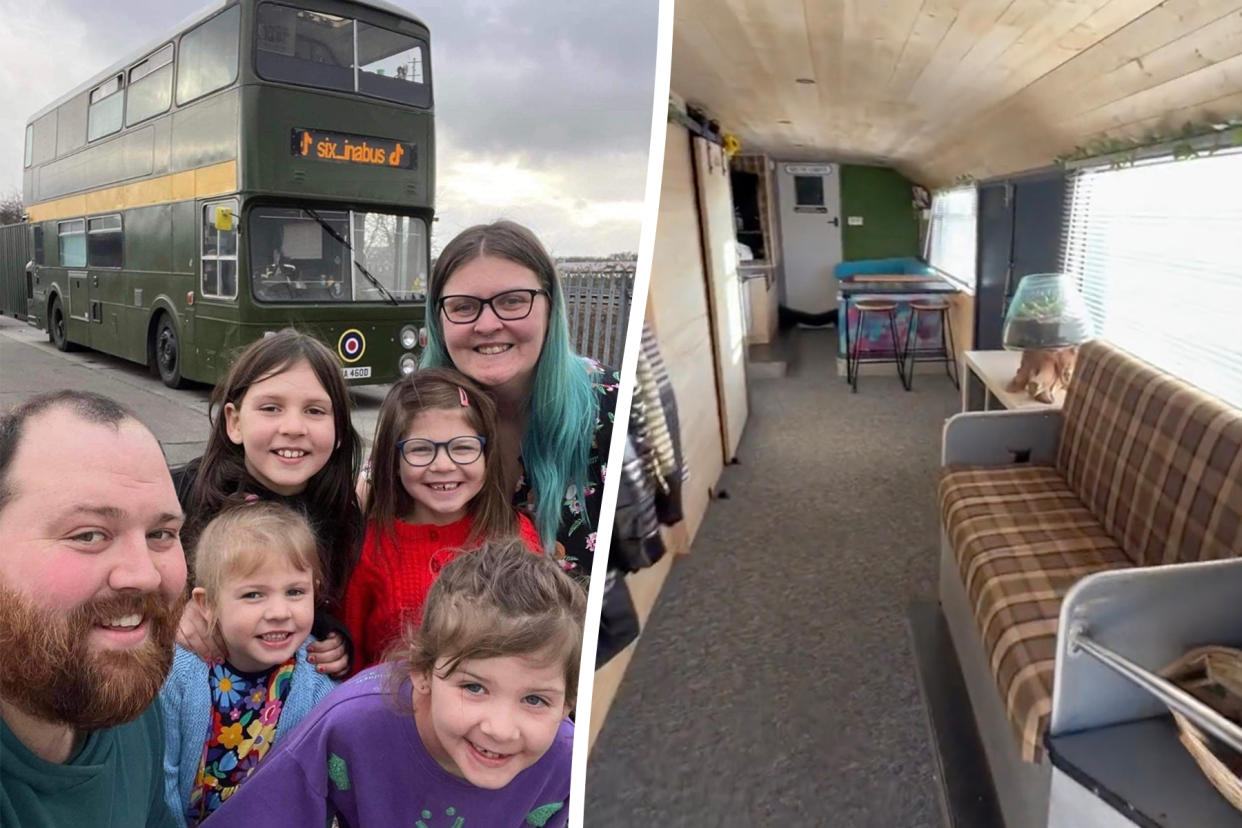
(951, 236)
(1155, 250)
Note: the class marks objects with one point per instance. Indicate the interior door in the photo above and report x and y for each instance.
(810, 209)
(724, 293)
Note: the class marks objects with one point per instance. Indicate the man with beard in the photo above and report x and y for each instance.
(91, 581)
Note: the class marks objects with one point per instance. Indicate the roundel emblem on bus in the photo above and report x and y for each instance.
(351, 345)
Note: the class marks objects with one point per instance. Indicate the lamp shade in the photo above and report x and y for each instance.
(1047, 312)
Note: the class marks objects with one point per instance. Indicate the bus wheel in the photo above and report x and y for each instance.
(56, 327)
(167, 353)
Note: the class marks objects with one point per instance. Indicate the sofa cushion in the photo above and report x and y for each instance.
(1156, 460)
(1022, 538)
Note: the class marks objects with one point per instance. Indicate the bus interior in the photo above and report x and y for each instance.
(885, 605)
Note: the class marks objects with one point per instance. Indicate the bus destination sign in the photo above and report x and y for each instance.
(354, 149)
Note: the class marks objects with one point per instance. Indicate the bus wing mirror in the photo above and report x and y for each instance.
(224, 219)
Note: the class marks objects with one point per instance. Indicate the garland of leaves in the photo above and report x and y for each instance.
(1183, 143)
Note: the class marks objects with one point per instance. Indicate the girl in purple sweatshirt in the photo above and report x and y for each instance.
(465, 725)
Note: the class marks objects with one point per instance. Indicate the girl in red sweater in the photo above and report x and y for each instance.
(436, 490)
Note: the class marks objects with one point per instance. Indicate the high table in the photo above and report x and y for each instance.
(896, 286)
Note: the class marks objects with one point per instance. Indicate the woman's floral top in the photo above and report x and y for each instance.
(245, 709)
(575, 539)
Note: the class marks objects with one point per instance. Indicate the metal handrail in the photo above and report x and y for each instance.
(1166, 691)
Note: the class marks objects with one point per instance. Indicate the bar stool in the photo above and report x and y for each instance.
(853, 357)
(945, 351)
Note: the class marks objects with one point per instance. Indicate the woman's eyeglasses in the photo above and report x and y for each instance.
(462, 450)
(508, 306)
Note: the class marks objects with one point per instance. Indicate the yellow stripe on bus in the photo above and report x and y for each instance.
(204, 182)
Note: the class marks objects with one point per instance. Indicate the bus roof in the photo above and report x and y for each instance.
(191, 21)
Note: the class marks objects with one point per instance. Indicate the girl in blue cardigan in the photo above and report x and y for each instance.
(256, 568)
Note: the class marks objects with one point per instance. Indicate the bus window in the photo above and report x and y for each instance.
(390, 65)
(305, 47)
(219, 257)
(71, 238)
(43, 139)
(323, 50)
(208, 57)
(103, 241)
(107, 103)
(29, 144)
(39, 255)
(150, 87)
(336, 256)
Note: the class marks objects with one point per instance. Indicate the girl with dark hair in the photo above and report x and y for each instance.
(438, 488)
(496, 312)
(281, 430)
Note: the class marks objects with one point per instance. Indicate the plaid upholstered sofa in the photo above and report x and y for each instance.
(1137, 469)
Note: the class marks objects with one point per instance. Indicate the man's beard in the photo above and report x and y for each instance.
(48, 670)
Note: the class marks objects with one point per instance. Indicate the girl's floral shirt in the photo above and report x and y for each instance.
(245, 709)
(575, 539)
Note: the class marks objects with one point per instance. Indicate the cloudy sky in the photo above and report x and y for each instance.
(543, 107)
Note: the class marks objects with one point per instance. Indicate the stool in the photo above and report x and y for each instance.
(853, 357)
(944, 352)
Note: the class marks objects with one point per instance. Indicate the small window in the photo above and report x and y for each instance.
(103, 241)
(71, 238)
(150, 87)
(29, 144)
(219, 259)
(39, 256)
(809, 190)
(106, 106)
(208, 56)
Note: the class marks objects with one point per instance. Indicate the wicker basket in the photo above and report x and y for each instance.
(1214, 676)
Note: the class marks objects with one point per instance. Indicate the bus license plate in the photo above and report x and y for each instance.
(362, 372)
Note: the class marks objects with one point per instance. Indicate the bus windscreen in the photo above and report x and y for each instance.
(343, 256)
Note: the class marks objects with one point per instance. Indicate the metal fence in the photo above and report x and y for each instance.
(14, 253)
(597, 298)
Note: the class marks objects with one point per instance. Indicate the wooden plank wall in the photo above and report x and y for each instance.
(942, 88)
(677, 312)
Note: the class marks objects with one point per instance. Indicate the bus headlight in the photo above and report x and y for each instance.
(407, 364)
(409, 337)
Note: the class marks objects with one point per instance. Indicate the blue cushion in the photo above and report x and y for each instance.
(903, 265)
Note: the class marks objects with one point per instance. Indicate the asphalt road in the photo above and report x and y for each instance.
(30, 365)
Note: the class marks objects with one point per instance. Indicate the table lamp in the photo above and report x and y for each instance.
(1047, 321)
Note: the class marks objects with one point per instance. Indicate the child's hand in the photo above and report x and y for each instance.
(194, 634)
(329, 656)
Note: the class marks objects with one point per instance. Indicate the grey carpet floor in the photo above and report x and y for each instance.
(774, 683)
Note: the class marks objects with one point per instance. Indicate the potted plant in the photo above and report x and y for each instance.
(1047, 321)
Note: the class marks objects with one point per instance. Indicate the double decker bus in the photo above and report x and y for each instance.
(266, 164)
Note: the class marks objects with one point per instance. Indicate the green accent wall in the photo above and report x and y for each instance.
(885, 200)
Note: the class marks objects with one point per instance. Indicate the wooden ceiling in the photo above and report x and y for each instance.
(944, 88)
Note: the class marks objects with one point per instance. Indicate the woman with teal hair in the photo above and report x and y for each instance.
(496, 312)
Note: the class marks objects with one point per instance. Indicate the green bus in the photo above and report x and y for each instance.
(267, 164)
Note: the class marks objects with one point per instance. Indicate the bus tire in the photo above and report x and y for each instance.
(166, 353)
(56, 327)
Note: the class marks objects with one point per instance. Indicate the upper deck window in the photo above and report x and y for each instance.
(1155, 249)
(330, 52)
(208, 56)
(150, 86)
(29, 144)
(107, 104)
